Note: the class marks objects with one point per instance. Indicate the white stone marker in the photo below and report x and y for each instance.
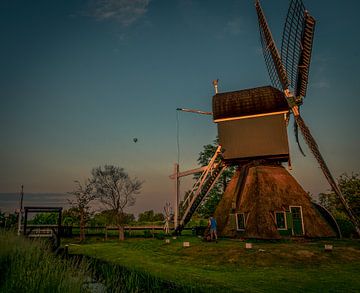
(167, 241)
(328, 247)
(186, 244)
(248, 245)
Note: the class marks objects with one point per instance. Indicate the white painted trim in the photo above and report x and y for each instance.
(302, 219)
(281, 212)
(251, 116)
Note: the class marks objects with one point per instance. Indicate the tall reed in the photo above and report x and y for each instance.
(29, 266)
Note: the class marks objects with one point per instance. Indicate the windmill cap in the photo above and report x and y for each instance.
(247, 102)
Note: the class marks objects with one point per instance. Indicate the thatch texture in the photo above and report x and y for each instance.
(259, 192)
(246, 102)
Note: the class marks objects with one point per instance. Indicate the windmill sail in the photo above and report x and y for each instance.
(296, 46)
(305, 56)
(291, 46)
(273, 62)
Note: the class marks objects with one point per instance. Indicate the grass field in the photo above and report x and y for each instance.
(228, 266)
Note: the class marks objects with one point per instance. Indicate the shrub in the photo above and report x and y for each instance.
(147, 234)
(160, 235)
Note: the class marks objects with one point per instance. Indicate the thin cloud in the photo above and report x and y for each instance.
(234, 26)
(125, 12)
(258, 51)
(321, 84)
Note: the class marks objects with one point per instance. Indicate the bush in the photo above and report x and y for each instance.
(147, 234)
(160, 235)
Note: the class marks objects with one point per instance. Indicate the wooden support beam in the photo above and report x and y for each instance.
(187, 173)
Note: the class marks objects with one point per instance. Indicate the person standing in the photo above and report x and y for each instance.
(213, 225)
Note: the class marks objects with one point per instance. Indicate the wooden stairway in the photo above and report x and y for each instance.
(201, 189)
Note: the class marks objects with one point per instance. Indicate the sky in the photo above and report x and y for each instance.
(80, 79)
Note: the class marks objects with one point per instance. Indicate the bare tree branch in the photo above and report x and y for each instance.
(115, 189)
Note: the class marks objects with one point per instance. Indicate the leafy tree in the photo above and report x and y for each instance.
(84, 195)
(105, 218)
(350, 188)
(8, 220)
(45, 219)
(70, 217)
(116, 190)
(207, 208)
(158, 217)
(150, 216)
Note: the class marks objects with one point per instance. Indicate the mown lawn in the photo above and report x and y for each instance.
(228, 266)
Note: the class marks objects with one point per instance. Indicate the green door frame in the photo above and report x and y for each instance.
(297, 221)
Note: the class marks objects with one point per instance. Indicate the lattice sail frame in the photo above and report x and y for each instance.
(291, 46)
(273, 62)
(289, 69)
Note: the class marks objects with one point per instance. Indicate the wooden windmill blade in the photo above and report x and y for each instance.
(291, 45)
(296, 47)
(305, 56)
(273, 61)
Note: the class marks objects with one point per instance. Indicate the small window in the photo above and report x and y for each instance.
(280, 218)
(240, 222)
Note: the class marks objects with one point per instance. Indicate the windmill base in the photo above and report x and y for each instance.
(266, 202)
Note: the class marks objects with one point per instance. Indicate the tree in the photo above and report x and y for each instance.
(150, 216)
(84, 195)
(45, 219)
(70, 217)
(106, 218)
(207, 208)
(117, 190)
(8, 220)
(350, 188)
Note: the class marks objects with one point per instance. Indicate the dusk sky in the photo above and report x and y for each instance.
(80, 79)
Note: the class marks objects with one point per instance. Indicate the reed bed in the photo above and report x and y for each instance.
(30, 266)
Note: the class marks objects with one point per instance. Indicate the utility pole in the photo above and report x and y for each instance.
(21, 209)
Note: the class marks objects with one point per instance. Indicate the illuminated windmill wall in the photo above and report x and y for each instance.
(252, 124)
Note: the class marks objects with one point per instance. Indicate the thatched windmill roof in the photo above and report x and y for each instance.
(260, 100)
(259, 192)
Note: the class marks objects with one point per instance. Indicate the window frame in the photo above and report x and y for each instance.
(237, 222)
(285, 220)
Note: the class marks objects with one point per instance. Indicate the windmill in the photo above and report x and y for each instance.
(263, 200)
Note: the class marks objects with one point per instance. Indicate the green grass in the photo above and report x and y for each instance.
(28, 266)
(228, 266)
